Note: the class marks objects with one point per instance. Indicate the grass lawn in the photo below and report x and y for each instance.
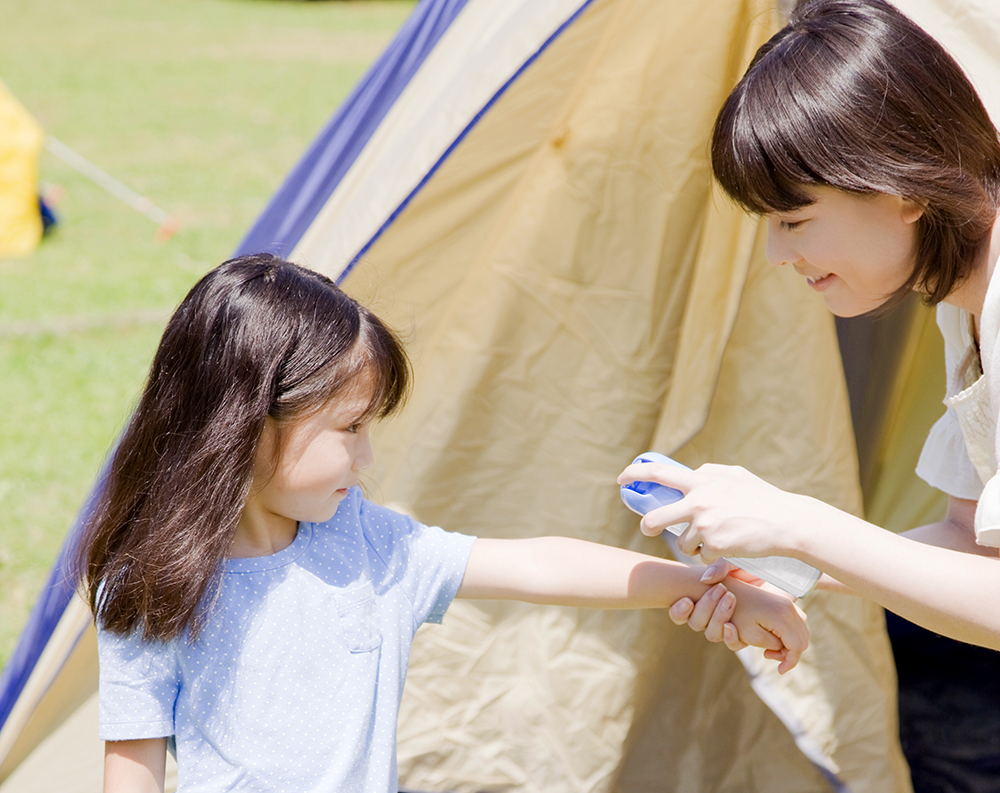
(201, 105)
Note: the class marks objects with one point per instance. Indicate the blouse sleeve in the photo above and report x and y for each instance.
(139, 683)
(944, 462)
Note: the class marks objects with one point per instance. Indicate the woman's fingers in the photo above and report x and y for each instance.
(711, 614)
(716, 572)
(670, 475)
(681, 611)
(715, 630)
(691, 543)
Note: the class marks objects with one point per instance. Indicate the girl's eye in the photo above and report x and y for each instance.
(789, 225)
(354, 428)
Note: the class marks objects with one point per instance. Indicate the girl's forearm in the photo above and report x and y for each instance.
(569, 572)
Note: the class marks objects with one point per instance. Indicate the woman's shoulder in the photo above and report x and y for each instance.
(954, 324)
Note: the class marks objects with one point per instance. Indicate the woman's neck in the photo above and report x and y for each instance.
(970, 294)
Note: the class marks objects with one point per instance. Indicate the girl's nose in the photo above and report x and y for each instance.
(365, 456)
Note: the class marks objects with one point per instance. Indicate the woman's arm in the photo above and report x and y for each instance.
(135, 766)
(569, 572)
(732, 512)
(712, 616)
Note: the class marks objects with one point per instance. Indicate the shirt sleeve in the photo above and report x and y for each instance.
(139, 683)
(428, 561)
(988, 515)
(944, 462)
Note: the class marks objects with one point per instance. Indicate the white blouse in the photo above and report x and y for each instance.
(959, 457)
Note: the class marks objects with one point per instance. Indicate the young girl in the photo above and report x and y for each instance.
(254, 610)
(878, 169)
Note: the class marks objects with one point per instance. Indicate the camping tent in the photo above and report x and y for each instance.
(523, 188)
(21, 141)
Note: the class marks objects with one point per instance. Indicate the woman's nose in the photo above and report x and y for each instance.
(778, 251)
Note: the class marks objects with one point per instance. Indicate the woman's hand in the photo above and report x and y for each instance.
(729, 511)
(713, 612)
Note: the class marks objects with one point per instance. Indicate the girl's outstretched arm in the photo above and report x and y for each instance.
(135, 766)
(569, 572)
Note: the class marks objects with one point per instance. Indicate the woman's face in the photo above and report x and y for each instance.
(855, 250)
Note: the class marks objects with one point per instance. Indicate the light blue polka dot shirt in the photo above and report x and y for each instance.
(295, 683)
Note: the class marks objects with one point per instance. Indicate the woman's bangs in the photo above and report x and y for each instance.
(756, 164)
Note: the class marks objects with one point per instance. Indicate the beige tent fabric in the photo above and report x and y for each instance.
(896, 365)
(574, 293)
(63, 678)
(71, 759)
(20, 144)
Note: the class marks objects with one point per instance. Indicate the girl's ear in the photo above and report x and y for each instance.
(268, 450)
(912, 210)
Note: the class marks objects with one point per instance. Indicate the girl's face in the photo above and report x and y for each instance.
(855, 250)
(320, 457)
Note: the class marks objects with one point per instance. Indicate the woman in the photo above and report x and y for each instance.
(878, 170)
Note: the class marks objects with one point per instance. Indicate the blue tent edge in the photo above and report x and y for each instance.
(295, 205)
(44, 617)
(464, 133)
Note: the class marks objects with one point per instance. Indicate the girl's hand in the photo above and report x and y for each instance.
(729, 511)
(763, 614)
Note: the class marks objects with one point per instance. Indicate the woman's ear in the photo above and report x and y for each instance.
(912, 210)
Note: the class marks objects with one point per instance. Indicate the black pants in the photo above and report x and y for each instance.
(949, 710)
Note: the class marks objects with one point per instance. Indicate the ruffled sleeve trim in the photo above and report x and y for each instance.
(988, 515)
(944, 461)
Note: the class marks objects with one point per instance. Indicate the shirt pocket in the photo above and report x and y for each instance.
(359, 617)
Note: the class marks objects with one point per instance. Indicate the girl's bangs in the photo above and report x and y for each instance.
(377, 363)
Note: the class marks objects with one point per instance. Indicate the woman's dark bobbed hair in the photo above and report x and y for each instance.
(255, 338)
(851, 94)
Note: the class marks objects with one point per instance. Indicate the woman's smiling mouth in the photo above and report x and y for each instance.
(819, 283)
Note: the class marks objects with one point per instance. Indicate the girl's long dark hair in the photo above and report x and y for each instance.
(852, 94)
(257, 337)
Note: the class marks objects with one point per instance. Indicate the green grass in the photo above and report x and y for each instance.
(201, 105)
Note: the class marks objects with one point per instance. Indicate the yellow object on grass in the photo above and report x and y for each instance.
(21, 140)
